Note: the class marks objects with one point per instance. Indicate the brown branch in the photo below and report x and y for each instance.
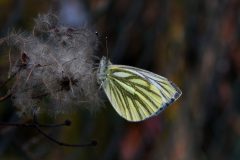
(9, 79)
(8, 95)
(35, 124)
(40, 95)
(12, 76)
(91, 144)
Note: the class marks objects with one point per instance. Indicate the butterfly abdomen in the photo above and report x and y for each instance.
(103, 70)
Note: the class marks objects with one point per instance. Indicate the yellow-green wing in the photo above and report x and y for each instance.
(138, 94)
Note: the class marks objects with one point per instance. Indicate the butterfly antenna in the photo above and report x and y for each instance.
(107, 45)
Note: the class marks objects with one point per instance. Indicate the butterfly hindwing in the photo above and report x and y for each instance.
(138, 94)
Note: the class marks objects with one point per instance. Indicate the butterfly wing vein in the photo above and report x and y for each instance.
(137, 94)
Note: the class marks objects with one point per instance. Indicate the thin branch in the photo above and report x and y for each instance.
(30, 73)
(38, 126)
(9, 79)
(40, 95)
(35, 121)
(66, 123)
(15, 124)
(33, 125)
(93, 143)
(10, 63)
(8, 95)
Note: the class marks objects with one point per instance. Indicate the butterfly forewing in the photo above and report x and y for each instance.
(137, 94)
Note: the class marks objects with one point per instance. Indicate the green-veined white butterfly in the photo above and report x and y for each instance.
(136, 94)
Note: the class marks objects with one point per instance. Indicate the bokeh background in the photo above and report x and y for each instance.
(196, 44)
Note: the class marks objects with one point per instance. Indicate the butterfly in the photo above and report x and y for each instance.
(135, 94)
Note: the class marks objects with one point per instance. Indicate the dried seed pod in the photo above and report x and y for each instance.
(55, 64)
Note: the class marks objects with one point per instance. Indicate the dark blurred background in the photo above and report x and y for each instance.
(196, 44)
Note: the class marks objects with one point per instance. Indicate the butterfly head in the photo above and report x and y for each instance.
(102, 70)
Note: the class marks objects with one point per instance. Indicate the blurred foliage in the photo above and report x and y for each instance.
(193, 43)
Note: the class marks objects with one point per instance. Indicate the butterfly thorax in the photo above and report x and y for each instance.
(102, 70)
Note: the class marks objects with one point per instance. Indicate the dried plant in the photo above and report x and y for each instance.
(55, 65)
